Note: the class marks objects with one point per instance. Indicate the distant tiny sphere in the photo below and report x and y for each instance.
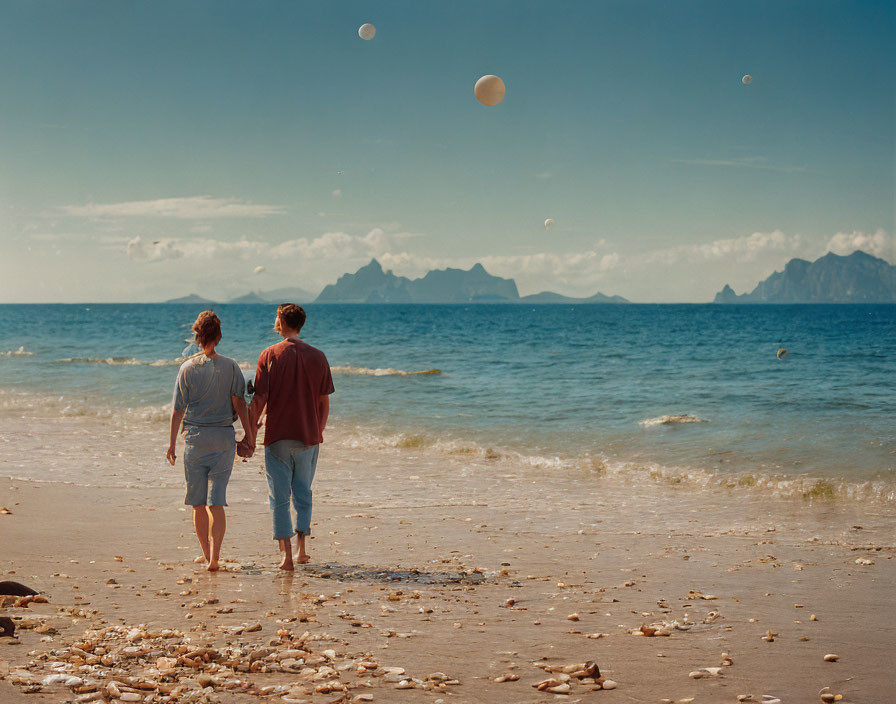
(549, 223)
(260, 270)
(782, 353)
(747, 80)
(367, 32)
(489, 90)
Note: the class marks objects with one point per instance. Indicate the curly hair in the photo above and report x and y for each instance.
(291, 315)
(207, 328)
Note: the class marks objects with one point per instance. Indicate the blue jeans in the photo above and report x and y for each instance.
(290, 465)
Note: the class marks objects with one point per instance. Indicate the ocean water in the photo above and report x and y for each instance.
(556, 386)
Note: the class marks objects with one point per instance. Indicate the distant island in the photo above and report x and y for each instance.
(856, 278)
(279, 295)
(370, 284)
(191, 298)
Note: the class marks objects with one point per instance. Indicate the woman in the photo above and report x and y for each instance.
(208, 398)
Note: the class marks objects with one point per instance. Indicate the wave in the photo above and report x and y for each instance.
(21, 352)
(492, 458)
(131, 362)
(804, 486)
(670, 420)
(365, 371)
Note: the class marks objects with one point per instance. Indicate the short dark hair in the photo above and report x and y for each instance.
(207, 328)
(291, 315)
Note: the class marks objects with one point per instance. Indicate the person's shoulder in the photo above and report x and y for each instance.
(186, 366)
(229, 361)
(271, 351)
(314, 352)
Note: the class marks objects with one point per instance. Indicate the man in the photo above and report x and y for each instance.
(293, 383)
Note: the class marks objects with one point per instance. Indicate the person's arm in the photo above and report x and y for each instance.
(177, 418)
(256, 411)
(239, 405)
(323, 411)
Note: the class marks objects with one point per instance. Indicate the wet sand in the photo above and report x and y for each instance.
(458, 571)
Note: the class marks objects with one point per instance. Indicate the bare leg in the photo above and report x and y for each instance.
(217, 527)
(303, 556)
(200, 523)
(286, 549)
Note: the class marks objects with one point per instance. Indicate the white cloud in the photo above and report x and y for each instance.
(741, 249)
(153, 251)
(193, 208)
(880, 244)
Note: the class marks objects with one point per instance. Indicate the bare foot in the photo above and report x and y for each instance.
(300, 549)
(286, 563)
(212, 566)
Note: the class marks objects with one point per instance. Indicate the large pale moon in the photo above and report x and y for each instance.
(489, 90)
(367, 32)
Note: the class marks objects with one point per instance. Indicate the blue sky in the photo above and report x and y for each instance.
(152, 149)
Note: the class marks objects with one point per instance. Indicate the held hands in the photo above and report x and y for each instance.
(171, 455)
(244, 448)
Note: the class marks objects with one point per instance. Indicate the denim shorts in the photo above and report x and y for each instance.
(208, 462)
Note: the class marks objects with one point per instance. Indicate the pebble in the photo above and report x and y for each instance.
(608, 684)
(830, 657)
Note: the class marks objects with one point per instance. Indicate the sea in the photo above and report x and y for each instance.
(797, 398)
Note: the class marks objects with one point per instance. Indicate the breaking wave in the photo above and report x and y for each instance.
(21, 352)
(365, 371)
(131, 362)
(670, 420)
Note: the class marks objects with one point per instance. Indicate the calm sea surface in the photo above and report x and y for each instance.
(547, 381)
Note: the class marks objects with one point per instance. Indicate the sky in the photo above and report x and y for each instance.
(154, 149)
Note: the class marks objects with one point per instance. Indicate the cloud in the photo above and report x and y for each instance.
(747, 162)
(532, 272)
(193, 208)
(155, 251)
(880, 244)
(741, 249)
(337, 193)
(544, 175)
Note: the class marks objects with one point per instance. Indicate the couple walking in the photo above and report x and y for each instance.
(292, 388)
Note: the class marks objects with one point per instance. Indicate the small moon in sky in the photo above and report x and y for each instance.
(747, 80)
(489, 90)
(367, 32)
(260, 270)
(549, 223)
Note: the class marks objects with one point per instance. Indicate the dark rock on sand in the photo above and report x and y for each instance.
(15, 589)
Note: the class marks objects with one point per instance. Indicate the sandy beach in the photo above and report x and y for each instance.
(433, 577)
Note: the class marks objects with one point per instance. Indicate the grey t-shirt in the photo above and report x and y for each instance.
(204, 387)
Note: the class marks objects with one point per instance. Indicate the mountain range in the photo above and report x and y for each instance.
(856, 278)
(371, 284)
(277, 295)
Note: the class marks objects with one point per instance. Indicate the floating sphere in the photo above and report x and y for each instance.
(549, 223)
(260, 270)
(747, 80)
(489, 90)
(367, 32)
(782, 353)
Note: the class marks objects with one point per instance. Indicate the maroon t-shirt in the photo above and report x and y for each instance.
(293, 375)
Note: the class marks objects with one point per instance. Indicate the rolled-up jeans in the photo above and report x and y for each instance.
(290, 465)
